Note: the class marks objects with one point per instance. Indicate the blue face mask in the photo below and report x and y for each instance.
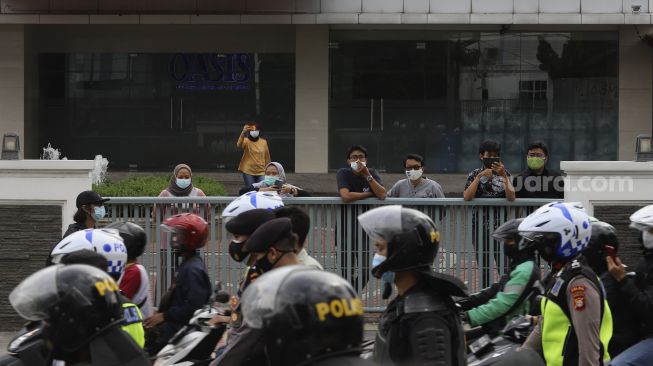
(183, 183)
(269, 180)
(98, 213)
(387, 276)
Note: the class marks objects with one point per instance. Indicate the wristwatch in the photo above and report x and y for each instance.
(369, 178)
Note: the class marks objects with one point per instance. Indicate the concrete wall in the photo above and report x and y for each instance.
(635, 82)
(12, 81)
(28, 234)
(312, 99)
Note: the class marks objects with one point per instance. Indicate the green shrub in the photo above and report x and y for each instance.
(151, 186)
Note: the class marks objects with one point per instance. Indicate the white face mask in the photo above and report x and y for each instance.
(647, 239)
(254, 134)
(354, 164)
(414, 174)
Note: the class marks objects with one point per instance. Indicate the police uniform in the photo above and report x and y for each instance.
(422, 327)
(572, 311)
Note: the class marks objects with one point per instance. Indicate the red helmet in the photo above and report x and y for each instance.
(187, 231)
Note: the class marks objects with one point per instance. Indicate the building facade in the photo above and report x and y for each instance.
(151, 84)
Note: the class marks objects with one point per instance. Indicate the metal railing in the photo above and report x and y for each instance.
(467, 249)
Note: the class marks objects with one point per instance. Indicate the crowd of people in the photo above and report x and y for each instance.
(94, 303)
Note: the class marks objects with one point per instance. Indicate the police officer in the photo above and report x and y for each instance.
(271, 246)
(637, 293)
(509, 297)
(306, 317)
(576, 322)
(82, 315)
(421, 325)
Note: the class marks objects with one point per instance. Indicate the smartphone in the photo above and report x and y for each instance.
(609, 250)
(487, 162)
(278, 183)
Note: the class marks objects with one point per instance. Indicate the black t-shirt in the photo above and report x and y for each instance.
(346, 178)
(549, 184)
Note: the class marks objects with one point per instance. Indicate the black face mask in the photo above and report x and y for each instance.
(511, 250)
(264, 265)
(237, 252)
(546, 252)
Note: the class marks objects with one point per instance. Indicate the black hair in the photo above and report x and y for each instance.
(416, 157)
(300, 221)
(356, 147)
(538, 145)
(287, 243)
(79, 216)
(88, 257)
(489, 146)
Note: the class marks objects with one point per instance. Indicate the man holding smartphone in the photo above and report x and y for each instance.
(492, 180)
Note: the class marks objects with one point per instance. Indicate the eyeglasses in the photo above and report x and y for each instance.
(414, 167)
(357, 157)
(536, 155)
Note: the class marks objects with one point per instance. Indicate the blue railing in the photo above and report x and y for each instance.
(467, 250)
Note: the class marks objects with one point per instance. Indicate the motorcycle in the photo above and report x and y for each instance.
(27, 348)
(194, 343)
(486, 351)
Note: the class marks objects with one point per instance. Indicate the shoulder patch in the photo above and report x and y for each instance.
(578, 296)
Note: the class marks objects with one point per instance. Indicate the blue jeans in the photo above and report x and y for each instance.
(251, 179)
(638, 354)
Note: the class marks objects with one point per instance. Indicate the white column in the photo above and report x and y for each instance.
(12, 81)
(608, 183)
(635, 81)
(312, 99)
(55, 182)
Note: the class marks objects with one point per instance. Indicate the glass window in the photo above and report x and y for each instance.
(439, 94)
(153, 111)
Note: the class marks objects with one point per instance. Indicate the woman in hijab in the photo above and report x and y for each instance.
(181, 185)
(275, 180)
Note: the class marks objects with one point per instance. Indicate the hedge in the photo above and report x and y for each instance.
(151, 186)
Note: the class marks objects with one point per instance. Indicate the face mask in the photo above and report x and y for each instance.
(254, 134)
(534, 163)
(269, 180)
(98, 213)
(264, 265)
(647, 239)
(183, 183)
(236, 251)
(354, 164)
(387, 276)
(510, 250)
(414, 174)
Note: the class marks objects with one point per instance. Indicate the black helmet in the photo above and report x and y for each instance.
(413, 240)
(509, 230)
(602, 234)
(77, 302)
(304, 314)
(134, 237)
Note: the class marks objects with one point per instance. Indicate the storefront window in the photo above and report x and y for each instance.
(439, 94)
(153, 111)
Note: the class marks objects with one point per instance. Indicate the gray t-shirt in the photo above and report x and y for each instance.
(425, 189)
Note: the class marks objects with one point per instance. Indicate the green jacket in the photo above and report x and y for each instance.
(506, 298)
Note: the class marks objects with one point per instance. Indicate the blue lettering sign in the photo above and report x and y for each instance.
(210, 72)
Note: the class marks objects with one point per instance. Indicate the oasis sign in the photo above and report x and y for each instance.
(211, 71)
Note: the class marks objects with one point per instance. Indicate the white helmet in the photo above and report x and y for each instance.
(252, 200)
(106, 242)
(565, 227)
(642, 219)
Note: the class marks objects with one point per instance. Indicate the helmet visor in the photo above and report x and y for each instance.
(35, 295)
(383, 223)
(259, 299)
(174, 237)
